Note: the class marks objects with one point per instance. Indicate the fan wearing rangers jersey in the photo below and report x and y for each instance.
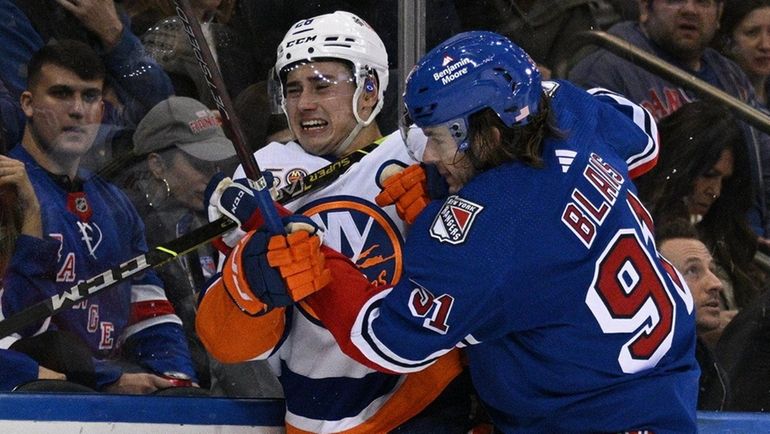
(334, 71)
(541, 263)
(95, 228)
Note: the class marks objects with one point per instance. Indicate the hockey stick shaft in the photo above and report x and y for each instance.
(321, 177)
(168, 251)
(230, 122)
(158, 256)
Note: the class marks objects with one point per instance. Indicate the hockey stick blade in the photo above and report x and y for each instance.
(230, 124)
(166, 252)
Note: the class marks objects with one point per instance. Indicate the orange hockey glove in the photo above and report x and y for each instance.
(266, 271)
(407, 189)
(299, 259)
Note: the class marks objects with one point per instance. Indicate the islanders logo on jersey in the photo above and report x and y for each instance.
(295, 175)
(361, 231)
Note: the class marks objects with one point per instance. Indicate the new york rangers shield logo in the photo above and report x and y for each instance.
(454, 221)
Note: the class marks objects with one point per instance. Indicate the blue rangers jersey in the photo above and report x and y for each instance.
(550, 279)
(96, 230)
(325, 390)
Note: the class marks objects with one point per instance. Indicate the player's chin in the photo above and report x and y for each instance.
(315, 144)
(457, 181)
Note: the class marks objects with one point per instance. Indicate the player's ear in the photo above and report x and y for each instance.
(371, 88)
(496, 135)
(369, 96)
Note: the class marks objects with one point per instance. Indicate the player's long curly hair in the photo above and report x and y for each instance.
(523, 144)
(692, 140)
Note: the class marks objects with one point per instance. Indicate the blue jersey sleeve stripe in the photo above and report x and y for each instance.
(364, 338)
(641, 117)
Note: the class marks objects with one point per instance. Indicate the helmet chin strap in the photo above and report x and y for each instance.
(343, 146)
(360, 123)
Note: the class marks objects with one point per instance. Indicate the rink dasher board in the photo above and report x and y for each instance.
(32, 427)
(28, 413)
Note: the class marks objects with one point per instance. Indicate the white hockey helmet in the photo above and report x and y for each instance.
(339, 35)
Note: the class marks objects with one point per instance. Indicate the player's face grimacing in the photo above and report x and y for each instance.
(441, 151)
(319, 106)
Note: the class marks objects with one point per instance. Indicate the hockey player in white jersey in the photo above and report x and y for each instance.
(333, 72)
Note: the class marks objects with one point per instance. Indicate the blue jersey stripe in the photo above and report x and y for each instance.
(368, 335)
(320, 398)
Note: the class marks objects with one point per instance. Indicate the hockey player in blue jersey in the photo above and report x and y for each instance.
(541, 262)
(92, 227)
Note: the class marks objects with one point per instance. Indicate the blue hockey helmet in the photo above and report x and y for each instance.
(468, 73)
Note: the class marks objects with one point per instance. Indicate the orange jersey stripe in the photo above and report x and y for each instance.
(231, 335)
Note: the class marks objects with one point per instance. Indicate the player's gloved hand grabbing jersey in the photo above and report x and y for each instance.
(264, 271)
(406, 188)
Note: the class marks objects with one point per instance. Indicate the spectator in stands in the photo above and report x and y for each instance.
(679, 32)
(702, 176)
(134, 81)
(678, 242)
(183, 146)
(167, 41)
(132, 325)
(52, 355)
(20, 227)
(744, 352)
(744, 36)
